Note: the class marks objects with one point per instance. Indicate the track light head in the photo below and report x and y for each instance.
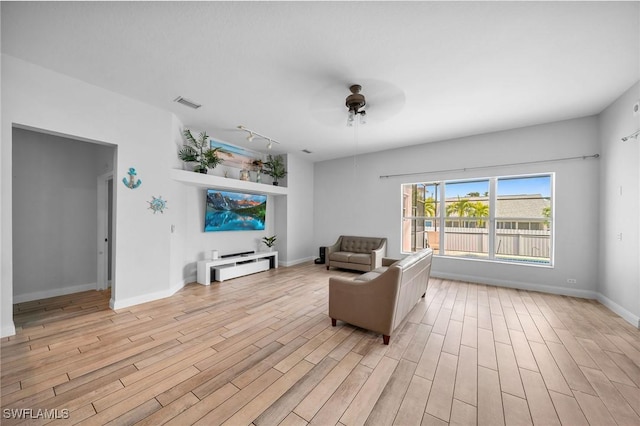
(253, 134)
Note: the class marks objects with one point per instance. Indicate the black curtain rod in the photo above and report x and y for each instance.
(584, 157)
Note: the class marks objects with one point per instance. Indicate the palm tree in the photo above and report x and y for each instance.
(460, 208)
(479, 209)
(430, 207)
(546, 213)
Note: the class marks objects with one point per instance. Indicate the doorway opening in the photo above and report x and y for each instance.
(55, 208)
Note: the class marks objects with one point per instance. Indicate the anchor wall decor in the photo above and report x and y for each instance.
(132, 183)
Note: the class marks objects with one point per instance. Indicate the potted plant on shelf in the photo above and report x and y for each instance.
(199, 151)
(269, 241)
(274, 167)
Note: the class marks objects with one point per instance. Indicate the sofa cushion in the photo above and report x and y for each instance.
(360, 258)
(340, 256)
(360, 244)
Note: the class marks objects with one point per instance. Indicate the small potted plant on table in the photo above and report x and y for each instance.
(269, 241)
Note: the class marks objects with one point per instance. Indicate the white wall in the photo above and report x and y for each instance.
(178, 240)
(55, 214)
(34, 97)
(619, 259)
(299, 213)
(351, 198)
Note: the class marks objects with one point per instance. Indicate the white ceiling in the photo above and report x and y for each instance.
(430, 70)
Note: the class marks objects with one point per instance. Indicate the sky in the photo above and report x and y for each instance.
(517, 186)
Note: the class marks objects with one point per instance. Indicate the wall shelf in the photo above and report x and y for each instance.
(220, 182)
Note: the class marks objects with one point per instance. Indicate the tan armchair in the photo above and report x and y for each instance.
(380, 300)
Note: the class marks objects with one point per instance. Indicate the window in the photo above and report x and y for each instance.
(420, 216)
(506, 219)
(467, 212)
(526, 203)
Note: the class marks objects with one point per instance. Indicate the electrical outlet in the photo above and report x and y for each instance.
(571, 280)
(619, 236)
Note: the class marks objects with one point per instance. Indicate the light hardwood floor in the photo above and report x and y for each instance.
(261, 350)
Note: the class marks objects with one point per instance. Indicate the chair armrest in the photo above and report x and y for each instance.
(333, 248)
(378, 254)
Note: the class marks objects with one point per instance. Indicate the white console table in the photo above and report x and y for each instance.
(236, 266)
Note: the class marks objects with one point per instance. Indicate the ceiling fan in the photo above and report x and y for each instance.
(383, 101)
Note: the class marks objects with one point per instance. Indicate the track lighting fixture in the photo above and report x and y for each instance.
(253, 134)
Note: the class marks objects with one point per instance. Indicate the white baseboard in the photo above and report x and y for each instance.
(296, 261)
(143, 298)
(28, 297)
(8, 330)
(179, 285)
(520, 285)
(629, 317)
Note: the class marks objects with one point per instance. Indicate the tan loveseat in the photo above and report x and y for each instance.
(379, 300)
(359, 253)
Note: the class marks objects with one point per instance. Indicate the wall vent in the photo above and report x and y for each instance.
(187, 102)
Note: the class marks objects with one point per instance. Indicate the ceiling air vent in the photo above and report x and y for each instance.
(187, 102)
(306, 151)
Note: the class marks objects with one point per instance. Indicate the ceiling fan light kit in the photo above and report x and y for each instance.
(355, 102)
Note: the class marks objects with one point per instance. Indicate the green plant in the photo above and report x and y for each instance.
(199, 151)
(274, 167)
(269, 241)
